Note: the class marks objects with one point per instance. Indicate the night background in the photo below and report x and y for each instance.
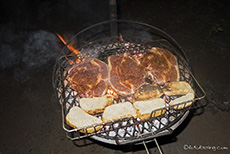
(31, 116)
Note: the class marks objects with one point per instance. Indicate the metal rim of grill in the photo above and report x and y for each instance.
(134, 37)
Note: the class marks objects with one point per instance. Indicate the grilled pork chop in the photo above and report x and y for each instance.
(161, 65)
(126, 74)
(89, 78)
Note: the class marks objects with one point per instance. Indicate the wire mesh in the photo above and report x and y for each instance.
(129, 129)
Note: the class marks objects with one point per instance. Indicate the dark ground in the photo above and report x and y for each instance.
(30, 116)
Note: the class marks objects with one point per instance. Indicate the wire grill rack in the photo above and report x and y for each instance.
(129, 129)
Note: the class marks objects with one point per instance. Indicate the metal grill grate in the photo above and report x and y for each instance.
(129, 129)
(126, 130)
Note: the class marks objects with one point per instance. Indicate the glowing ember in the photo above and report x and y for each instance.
(111, 91)
(138, 55)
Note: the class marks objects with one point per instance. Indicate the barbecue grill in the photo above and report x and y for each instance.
(135, 38)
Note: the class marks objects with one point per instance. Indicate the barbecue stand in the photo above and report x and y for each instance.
(136, 38)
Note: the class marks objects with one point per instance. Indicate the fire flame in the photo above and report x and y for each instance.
(111, 91)
(71, 48)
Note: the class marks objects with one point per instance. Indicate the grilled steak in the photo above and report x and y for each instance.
(161, 65)
(125, 73)
(89, 78)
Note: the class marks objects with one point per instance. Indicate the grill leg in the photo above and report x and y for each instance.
(158, 146)
(146, 148)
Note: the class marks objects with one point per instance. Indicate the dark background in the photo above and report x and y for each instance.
(30, 116)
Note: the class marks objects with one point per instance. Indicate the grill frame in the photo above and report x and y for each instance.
(92, 46)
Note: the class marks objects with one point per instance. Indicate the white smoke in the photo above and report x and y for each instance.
(23, 52)
(40, 47)
(28, 49)
(8, 56)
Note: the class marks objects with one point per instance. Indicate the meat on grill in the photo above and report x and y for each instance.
(126, 74)
(161, 65)
(89, 78)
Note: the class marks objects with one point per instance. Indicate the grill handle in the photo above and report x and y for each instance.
(113, 18)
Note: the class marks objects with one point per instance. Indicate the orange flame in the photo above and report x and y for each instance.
(111, 91)
(68, 46)
(71, 48)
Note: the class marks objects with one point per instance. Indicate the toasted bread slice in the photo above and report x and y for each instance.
(177, 88)
(118, 111)
(145, 108)
(96, 104)
(178, 102)
(77, 118)
(147, 92)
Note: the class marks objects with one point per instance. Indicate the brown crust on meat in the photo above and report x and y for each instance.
(161, 65)
(89, 78)
(126, 74)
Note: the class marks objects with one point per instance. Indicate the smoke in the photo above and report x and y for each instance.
(30, 49)
(23, 52)
(10, 47)
(40, 47)
(8, 56)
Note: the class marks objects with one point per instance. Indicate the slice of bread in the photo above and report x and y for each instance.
(145, 108)
(118, 111)
(177, 88)
(77, 118)
(187, 99)
(147, 92)
(96, 104)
